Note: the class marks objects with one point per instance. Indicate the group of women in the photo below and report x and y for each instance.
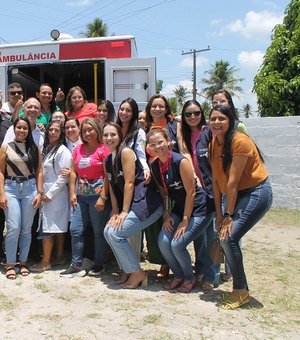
(128, 173)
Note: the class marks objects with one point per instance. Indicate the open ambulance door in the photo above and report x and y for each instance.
(130, 77)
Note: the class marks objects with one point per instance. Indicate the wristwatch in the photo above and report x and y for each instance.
(227, 214)
(185, 218)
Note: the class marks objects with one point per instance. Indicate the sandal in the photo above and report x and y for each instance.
(173, 284)
(226, 277)
(207, 286)
(10, 273)
(235, 300)
(163, 272)
(186, 287)
(24, 270)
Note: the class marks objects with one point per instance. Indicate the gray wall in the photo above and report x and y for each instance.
(279, 140)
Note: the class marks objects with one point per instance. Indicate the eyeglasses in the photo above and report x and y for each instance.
(13, 93)
(219, 102)
(195, 113)
(154, 145)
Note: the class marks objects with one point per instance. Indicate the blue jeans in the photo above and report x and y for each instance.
(118, 239)
(203, 264)
(82, 216)
(19, 217)
(251, 205)
(175, 252)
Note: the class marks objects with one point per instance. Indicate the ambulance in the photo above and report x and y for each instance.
(106, 68)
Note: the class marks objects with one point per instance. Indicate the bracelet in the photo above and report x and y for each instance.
(40, 192)
(104, 198)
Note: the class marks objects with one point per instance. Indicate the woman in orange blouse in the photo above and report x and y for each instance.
(241, 185)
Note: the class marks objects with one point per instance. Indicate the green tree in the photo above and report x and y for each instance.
(221, 76)
(206, 107)
(173, 104)
(181, 95)
(95, 29)
(247, 110)
(277, 84)
(159, 86)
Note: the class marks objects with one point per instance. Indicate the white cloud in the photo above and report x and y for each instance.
(80, 3)
(257, 25)
(169, 88)
(251, 61)
(188, 61)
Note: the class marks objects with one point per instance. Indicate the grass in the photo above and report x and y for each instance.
(152, 318)
(282, 217)
(42, 287)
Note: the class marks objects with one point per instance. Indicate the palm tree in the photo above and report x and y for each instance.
(95, 29)
(181, 94)
(247, 110)
(221, 76)
(173, 105)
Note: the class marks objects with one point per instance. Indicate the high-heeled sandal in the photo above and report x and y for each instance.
(187, 286)
(163, 272)
(134, 283)
(173, 284)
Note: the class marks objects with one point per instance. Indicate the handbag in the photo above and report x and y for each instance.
(216, 251)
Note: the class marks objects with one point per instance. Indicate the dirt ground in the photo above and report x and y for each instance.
(47, 306)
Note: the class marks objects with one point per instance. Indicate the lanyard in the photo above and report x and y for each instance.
(163, 167)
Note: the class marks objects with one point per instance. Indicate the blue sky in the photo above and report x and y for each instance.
(237, 31)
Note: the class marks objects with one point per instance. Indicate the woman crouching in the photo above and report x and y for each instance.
(190, 215)
(135, 205)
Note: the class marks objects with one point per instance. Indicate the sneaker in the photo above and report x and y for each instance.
(96, 270)
(73, 271)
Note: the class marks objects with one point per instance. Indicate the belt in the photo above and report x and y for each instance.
(20, 179)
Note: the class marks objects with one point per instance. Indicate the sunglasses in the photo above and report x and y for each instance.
(13, 93)
(195, 113)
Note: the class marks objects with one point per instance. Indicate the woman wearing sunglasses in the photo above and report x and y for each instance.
(196, 137)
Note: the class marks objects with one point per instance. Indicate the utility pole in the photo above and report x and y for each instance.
(193, 52)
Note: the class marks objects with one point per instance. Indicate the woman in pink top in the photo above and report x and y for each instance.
(88, 198)
(77, 105)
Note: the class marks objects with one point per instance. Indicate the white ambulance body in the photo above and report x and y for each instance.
(106, 68)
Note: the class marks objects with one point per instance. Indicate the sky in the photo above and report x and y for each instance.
(236, 31)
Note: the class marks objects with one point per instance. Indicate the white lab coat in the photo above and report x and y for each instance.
(54, 216)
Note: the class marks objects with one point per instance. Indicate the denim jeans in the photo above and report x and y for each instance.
(203, 264)
(19, 217)
(175, 251)
(82, 216)
(251, 205)
(118, 239)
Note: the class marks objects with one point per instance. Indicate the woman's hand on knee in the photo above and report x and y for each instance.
(226, 228)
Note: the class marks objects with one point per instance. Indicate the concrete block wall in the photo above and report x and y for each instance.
(279, 140)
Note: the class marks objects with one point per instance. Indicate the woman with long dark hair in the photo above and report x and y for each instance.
(54, 214)
(240, 182)
(134, 205)
(196, 137)
(21, 190)
(106, 112)
(134, 137)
